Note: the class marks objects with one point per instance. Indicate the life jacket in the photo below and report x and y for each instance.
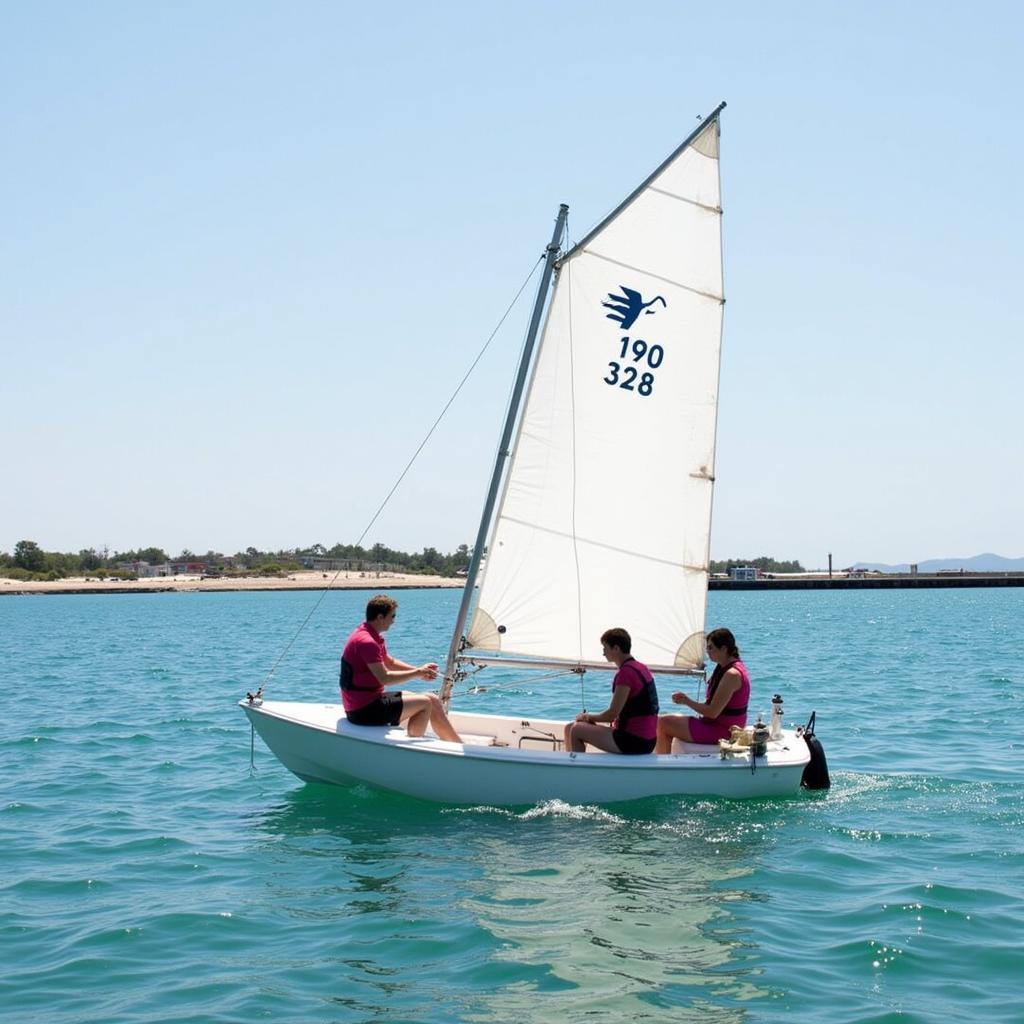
(644, 703)
(347, 679)
(733, 710)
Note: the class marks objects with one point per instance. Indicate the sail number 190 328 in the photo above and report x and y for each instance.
(634, 369)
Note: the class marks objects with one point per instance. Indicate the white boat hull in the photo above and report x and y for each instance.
(510, 761)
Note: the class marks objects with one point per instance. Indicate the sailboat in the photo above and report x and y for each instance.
(598, 515)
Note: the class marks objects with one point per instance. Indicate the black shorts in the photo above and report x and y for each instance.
(385, 710)
(628, 743)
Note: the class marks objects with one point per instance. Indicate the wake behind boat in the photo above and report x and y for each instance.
(624, 387)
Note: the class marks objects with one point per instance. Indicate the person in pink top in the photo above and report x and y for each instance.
(725, 702)
(633, 711)
(367, 668)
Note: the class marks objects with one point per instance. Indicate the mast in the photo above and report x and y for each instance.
(550, 255)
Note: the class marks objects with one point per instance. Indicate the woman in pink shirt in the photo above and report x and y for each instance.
(725, 701)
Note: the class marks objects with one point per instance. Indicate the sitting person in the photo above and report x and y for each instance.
(725, 702)
(366, 668)
(633, 711)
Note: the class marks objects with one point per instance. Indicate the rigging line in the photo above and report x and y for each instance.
(572, 504)
(569, 243)
(447, 406)
(524, 681)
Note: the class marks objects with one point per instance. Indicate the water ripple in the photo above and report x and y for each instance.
(151, 876)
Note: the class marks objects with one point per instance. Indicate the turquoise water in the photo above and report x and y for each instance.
(149, 875)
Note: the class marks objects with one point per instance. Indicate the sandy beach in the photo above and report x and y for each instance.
(292, 581)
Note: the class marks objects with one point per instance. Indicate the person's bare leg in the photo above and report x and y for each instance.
(420, 708)
(600, 736)
(572, 741)
(415, 712)
(439, 720)
(672, 727)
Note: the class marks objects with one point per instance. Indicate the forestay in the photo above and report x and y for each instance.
(606, 512)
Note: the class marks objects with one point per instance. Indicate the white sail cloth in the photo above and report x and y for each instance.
(606, 513)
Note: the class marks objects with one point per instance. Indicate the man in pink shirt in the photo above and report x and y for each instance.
(366, 668)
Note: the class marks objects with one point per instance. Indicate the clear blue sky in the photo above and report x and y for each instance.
(248, 249)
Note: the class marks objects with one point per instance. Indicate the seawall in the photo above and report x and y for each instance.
(874, 581)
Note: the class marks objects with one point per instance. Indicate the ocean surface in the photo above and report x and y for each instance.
(154, 867)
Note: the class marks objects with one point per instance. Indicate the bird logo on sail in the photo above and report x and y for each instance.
(629, 305)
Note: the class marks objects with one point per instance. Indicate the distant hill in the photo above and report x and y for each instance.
(978, 563)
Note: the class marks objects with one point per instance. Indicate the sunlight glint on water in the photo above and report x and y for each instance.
(150, 876)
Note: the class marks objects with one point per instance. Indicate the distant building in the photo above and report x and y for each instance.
(144, 570)
(744, 572)
(187, 568)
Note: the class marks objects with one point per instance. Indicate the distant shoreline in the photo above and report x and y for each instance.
(398, 581)
(230, 584)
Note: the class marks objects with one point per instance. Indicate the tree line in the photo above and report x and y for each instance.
(30, 561)
(764, 563)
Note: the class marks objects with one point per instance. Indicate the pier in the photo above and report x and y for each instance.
(870, 581)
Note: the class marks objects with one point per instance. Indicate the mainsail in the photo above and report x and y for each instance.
(605, 516)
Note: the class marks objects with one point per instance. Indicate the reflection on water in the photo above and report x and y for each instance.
(557, 912)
